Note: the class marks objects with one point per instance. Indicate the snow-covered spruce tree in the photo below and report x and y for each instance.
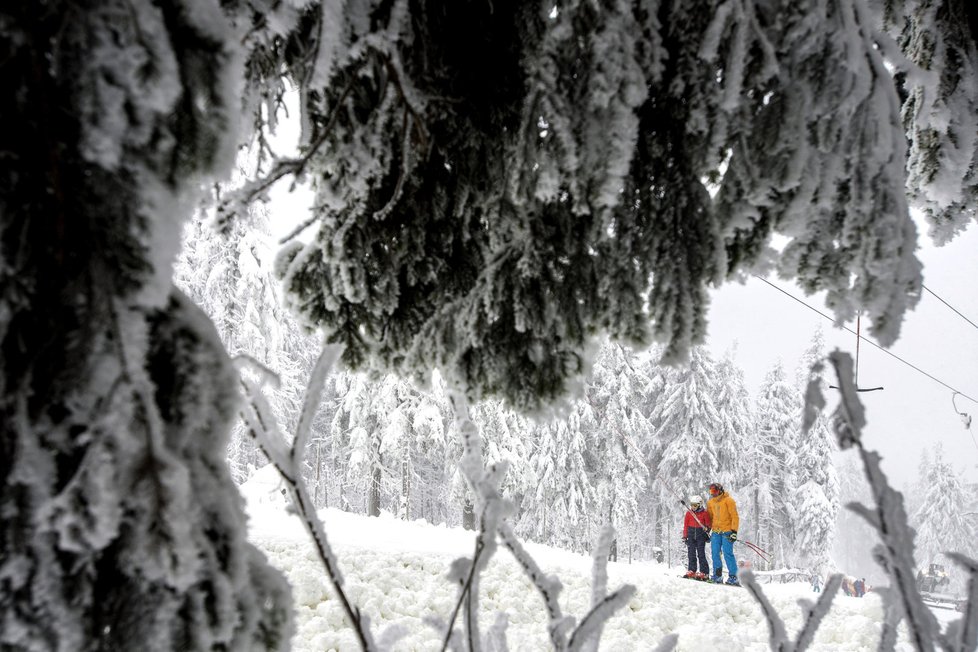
(614, 424)
(562, 495)
(498, 182)
(507, 437)
(119, 522)
(940, 110)
(736, 411)
(940, 520)
(227, 274)
(689, 424)
(815, 498)
(773, 458)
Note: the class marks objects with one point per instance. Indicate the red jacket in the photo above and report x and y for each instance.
(689, 521)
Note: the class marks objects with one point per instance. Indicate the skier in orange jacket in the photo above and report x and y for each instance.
(723, 515)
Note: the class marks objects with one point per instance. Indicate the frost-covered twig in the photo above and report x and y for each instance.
(262, 426)
(266, 373)
(895, 553)
(812, 617)
(548, 586)
(779, 635)
(599, 586)
(462, 567)
(282, 167)
(591, 625)
(962, 634)
(814, 613)
(314, 390)
(493, 509)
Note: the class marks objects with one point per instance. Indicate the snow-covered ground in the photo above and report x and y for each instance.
(395, 572)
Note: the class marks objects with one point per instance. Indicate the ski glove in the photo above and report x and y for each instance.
(733, 536)
(685, 541)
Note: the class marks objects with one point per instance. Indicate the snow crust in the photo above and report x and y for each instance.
(395, 571)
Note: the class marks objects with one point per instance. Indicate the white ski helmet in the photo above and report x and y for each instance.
(695, 500)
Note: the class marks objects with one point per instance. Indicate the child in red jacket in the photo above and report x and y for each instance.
(696, 532)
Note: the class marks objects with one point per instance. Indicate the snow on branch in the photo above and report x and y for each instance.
(812, 617)
(549, 586)
(779, 636)
(592, 624)
(888, 518)
(493, 510)
(962, 634)
(262, 426)
(314, 391)
(813, 614)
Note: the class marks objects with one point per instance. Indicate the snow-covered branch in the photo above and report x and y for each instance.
(262, 426)
(889, 519)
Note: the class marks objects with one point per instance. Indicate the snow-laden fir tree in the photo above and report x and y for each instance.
(229, 276)
(120, 524)
(736, 410)
(815, 498)
(614, 424)
(941, 520)
(689, 424)
(561, 496)
(489, 218)
(507, 437)
(854, 539)
(772, 456)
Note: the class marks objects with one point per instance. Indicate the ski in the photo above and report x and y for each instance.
(707, 580)
(738, 585)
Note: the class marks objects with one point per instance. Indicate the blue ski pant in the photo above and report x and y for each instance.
(720, 541)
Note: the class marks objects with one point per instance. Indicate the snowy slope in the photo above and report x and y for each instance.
(394, 571)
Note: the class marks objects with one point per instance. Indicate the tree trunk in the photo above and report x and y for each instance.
(405, 488)
(119, 519)
(373, 494)
(320, 489)
(468, 514)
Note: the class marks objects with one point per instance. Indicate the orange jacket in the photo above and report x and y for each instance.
(723, 512)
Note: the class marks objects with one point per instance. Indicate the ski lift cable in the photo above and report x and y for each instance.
(868, 341)
(958, 312)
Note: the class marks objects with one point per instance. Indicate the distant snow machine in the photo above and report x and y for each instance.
(933, 586)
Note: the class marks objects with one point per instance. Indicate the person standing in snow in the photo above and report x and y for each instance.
(725, 521)
(696, 532)
(816, 583)
(860, 587)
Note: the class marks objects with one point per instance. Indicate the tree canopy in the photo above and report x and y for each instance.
(496, 183)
